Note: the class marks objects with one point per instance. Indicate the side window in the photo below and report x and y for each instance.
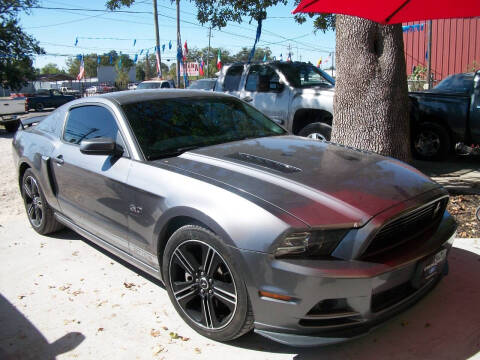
(165, 85)
(56, 93)
(91, 121)
(262, 78)
(232, 78)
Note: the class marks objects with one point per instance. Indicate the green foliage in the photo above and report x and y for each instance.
(147, 68)
(90, 61)
(17, 48)
(418, 78)
(51, 68)
(473, 67)
(218, 13)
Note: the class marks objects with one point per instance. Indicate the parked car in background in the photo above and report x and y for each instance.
(47, 99)
(203, 84)
(9, 111)
(308, 242)
(156, 84)
(132, 86)
(297, 95)
(446, 115)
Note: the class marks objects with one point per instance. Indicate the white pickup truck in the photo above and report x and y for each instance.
(9, 111)
(297, 95)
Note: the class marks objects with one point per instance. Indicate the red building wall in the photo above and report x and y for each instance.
(455, 46)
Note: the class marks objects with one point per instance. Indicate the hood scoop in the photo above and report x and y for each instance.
(266, 163)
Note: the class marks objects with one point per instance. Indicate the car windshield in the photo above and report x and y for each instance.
(303, 75)
(203, 85)
(146, 85)
(168, 127)
(460, 83)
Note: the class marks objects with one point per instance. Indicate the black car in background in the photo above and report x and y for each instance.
(445, 115)
(51, 98)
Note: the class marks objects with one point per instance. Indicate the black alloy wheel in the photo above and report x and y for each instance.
(431, 142)
(203, 285)
(33, 201)
(39, 106)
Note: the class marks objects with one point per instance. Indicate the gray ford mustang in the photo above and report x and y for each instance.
(308, 242)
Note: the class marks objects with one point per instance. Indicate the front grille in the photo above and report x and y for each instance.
(407, 227)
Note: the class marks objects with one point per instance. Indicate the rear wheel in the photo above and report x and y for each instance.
(317, 131)
(39, 213)
(39, 106)
(11, 126)
(431, 142)
(204, 285)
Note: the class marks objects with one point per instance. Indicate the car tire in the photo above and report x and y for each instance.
(205, 285)
(39, 106)
(39, 213)
(11, 127)
(317, 131)
(431, 141)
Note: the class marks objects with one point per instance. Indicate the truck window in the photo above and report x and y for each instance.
(232, 78)
(460, 83)
(262, 78)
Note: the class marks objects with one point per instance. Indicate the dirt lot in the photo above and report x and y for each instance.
(63, 297)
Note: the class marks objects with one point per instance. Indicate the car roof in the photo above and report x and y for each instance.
(133, 96)
(156, 81)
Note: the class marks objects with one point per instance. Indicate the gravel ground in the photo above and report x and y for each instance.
(63, 297)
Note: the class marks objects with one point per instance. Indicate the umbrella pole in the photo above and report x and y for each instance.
(429, 52)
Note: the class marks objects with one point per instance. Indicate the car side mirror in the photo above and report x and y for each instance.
(100, 146)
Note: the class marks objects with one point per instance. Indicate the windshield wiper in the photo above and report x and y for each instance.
(172, 152)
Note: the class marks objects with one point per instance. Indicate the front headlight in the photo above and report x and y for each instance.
(319, 243)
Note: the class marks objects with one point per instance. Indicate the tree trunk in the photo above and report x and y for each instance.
(371, 107)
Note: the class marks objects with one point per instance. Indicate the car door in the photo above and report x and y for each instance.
(92, 189)
(265, 92)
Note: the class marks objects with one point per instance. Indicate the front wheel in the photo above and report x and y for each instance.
(204, 285)
(317, 131)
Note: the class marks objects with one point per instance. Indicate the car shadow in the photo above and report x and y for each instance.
(20, 339)
(443, 325)
(68, 234)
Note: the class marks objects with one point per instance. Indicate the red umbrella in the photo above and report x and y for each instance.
(393, 11)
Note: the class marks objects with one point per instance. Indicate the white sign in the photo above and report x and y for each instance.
(192, 69)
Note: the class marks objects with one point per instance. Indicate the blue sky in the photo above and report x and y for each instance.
(99, 32)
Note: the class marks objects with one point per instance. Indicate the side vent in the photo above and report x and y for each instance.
(267, 163)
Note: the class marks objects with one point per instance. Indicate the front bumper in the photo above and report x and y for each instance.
(337, 300)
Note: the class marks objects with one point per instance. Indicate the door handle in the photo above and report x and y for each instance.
(58, 159)
(247, 99)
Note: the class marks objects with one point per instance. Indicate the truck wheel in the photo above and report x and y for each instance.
(431, 142)
(39, 106)
(11, 126)
(317, 131)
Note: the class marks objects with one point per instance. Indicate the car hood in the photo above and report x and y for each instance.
(319, 183)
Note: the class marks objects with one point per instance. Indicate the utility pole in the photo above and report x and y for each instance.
(208, 54)
(429, 52)
(157, 38)
(179, 43)
(289, 55)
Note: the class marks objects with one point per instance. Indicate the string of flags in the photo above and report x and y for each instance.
(413, 28)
